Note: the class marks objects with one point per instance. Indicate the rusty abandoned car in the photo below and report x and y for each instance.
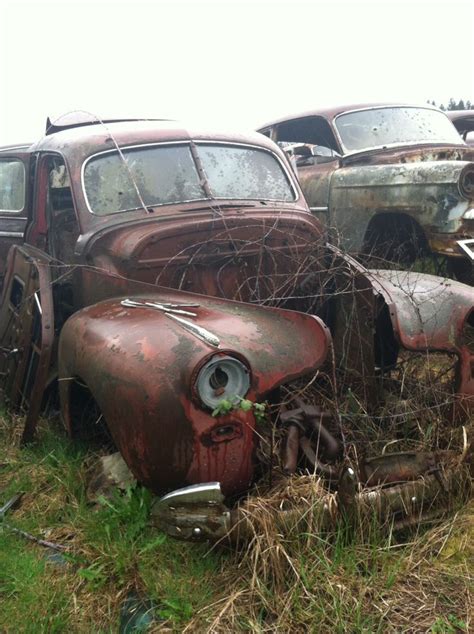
(172, 286)
(395, 182)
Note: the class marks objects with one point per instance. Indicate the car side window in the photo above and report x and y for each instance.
(314, 131)
(12, 185)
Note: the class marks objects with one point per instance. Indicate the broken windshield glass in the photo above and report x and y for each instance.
(168, 174)
(380, 127)
(162, 175)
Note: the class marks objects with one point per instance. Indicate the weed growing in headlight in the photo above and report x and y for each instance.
(225, 406)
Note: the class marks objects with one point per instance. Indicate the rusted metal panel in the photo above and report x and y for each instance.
(431, 313)
(142, 367)
(27, 331)
(214, 256)
(427, 313)
(429, 193)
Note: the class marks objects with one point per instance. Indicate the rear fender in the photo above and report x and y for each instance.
(428, 313)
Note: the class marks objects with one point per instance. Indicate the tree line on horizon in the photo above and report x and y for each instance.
(453, 105)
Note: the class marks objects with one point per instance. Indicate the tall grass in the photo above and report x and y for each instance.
(296, 579)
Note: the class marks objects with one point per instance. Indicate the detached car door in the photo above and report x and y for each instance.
(26, 331)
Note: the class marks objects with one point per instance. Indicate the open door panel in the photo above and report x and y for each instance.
(26, 332)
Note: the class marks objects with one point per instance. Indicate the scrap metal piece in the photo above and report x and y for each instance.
(194, 512)
(467, 247)
(199, 512)
(305, 422)
(137, 614)
(399, 467)
(158, 382)
(36, 540)
(11, 503)
(291, 449)
(109, 474)
(327, 470)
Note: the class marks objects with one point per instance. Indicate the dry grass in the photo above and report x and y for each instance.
(294, 581)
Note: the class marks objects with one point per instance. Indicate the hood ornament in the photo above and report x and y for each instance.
(172, 311)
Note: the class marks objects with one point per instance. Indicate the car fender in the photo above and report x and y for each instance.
(428, 191)
(432, 313)
(140, 365)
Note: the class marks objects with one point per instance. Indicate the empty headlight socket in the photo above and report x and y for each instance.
(210, 379)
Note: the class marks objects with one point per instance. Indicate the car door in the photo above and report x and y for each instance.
(26, 331)
(13, 202)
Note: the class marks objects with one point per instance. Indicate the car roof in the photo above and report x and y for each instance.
(15, 146)
(332, 112)
(85, 140)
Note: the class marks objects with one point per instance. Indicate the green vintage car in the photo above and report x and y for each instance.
(393, 181)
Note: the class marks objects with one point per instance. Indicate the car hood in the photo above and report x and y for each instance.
(249, 255)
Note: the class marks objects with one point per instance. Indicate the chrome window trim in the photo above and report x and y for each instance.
(15, 148)
(12, 159)
(388, 145)
(11, 234)
(288, 175)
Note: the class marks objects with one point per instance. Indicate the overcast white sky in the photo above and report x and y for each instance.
(232, 64)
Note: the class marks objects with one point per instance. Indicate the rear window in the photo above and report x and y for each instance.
(166, 174)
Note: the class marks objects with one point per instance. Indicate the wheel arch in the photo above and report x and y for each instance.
(81, 412)
(396, 228)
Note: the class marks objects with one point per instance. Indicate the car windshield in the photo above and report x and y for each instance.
(381, 127)
(166, 174)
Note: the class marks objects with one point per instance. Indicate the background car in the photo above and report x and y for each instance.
(391, 181)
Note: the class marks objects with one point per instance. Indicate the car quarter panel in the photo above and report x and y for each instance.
(427, 191)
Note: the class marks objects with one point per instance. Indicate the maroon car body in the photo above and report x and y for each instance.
(149, 305)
